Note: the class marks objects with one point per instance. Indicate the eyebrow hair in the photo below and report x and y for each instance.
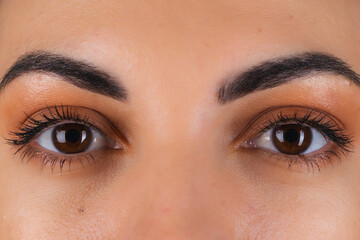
(80, 74)
(273, 73)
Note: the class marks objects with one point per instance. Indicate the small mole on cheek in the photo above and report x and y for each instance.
(81, 210)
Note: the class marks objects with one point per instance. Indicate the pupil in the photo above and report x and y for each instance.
(291, 136)
(72, 136)
(292, 139)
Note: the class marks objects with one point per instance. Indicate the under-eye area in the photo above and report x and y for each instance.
(297, 135)
(61, 135)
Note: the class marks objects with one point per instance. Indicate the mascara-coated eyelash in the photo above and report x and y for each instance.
(47, 118)
(339, 142)
(75, 135)
(314, 120)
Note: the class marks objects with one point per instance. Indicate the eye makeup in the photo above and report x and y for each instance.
(291, 118)
(69, 127)
(63, 134)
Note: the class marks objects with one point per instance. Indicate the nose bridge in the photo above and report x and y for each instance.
(168, 196)
(174, 171)
(173, 187)
(171, 170)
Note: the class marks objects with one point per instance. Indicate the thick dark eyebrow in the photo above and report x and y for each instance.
(280, 71)
(80, 74)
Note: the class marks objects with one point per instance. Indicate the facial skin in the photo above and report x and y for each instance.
(178, 175)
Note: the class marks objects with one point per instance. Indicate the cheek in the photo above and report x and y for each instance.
(298, 214)
(35, 207)
(32, 216)
(270, 203)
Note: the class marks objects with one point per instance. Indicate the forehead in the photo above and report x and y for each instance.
(191, 34)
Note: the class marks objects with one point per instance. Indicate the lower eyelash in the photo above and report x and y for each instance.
(312, 162)
(52, 160)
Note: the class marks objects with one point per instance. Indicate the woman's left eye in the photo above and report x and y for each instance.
(291, 139)
(71, 138)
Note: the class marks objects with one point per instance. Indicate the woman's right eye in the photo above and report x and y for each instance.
(71, 138)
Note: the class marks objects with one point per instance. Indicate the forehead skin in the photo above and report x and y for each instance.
(132, 39)
(143, 32)
(176, 53)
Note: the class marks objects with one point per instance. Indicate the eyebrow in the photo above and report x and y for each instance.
(276, 72)
(80, 74)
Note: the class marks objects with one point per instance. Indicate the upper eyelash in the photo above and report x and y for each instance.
(49, 117)
(319, 122)
(60, 113)
(32, 127)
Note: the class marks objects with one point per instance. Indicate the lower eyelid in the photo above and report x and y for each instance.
(56, 163)
(310, 163)
(301, 164)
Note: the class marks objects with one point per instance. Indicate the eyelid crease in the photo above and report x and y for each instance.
(271, 109)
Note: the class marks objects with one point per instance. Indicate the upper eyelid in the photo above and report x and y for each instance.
(307, 120)
(31, 124)
(272, 109)
(262, 120)
(52, 116)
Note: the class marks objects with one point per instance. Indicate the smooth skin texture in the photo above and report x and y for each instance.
(177, 179)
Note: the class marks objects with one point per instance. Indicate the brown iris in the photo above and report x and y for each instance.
(292, 139)
(71, 138)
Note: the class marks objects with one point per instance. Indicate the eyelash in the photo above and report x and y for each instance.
(58, 114)
(317, 121)
(50, 117)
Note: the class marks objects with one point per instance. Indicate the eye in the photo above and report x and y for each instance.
(291, 139)
(71, 138)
